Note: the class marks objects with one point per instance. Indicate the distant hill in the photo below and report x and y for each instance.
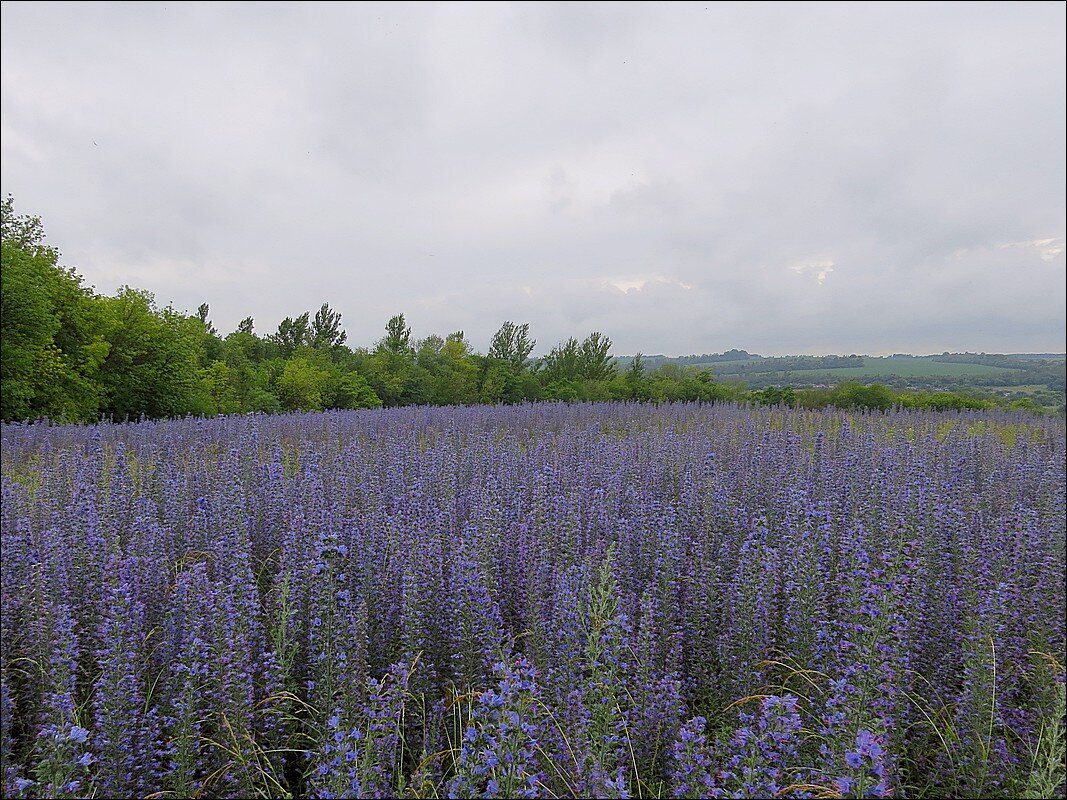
(658, 359)
(1039, 356)
(1038, 376)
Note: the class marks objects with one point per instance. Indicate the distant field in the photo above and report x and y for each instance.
(1039, 356)
(907, 368)
(879, 368)
(1026, 388)
(714, 364)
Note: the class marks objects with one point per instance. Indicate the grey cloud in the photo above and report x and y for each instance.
(470, 163)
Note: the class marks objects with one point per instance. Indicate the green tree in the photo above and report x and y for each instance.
(243, 346)
(397, 338)
(212, 342)
(202, 312)
(219, 385)
(594, 357)
(776, 396)
(28, 326)
(386, 375)
(259, 399)
(50, 347)
(504, 374)
(428, 352)
(392, 370)
(850, 394)
(571, 363)
(512, 345)
(635, 382)
(453, 373)
(244, 355)
(636, 370)
(563, 362)
(292, 333)
(494, 383)
(561, 390)
(153, 361)
(302, 384)
(325, 332)
(351, 390)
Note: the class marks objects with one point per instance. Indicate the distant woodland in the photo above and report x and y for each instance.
(72, 355)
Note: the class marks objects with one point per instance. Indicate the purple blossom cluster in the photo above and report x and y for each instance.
(608, 600)
(499, 754)
(763, 756)
(362, 761)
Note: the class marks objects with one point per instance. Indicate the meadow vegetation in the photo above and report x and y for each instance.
(546, 600)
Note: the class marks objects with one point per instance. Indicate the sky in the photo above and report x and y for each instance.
(685, 178)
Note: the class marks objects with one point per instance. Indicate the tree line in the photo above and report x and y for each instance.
(70, 354)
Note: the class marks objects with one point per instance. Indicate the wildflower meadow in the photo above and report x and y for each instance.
(547, 600)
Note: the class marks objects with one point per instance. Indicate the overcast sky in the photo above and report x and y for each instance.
(685, 178)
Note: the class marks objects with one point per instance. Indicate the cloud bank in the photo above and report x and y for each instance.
(685, 177)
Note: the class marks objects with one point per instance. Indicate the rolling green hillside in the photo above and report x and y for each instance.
(1037, 376)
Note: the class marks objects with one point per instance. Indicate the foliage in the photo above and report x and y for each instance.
(350, 390)
(397, 339)
(855, 395)
(574, 361)
(50, 341)
(292, 333)
(512, 345)
(302, 384)
(153, 359)
(325, 331)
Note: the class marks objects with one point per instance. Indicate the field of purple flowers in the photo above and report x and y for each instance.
(543, 601)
